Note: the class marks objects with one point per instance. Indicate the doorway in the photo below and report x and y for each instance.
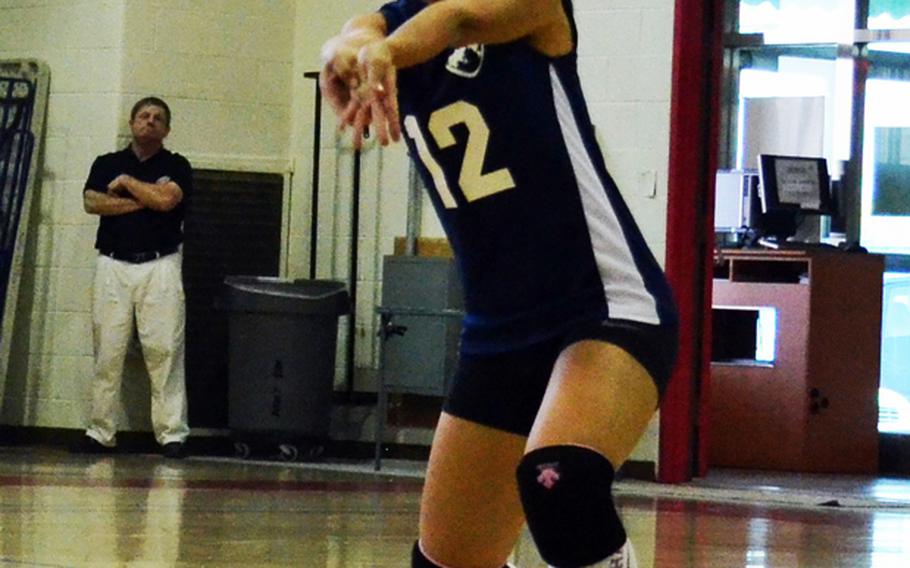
(851, 60)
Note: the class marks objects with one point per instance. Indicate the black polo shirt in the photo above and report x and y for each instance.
(143, 230)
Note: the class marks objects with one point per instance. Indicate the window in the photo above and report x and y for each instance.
(885, 185)
(798, 21)
(889, 14)
(832, 78)
(802, 86)
(894, 400)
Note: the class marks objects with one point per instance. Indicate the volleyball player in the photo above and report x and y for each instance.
(570, 330)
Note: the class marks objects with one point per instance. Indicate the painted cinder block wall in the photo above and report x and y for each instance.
(232, 71)
(225, 69)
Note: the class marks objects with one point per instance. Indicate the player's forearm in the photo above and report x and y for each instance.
(98, 203)
(456, 23)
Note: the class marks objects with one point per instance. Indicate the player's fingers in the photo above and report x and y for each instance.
(374, 68)
(391, 107)
(337, 96)
(381, 76)
(346, 118)
(380, 122)
(347, 70)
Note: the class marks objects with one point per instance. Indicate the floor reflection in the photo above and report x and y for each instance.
(60, 510)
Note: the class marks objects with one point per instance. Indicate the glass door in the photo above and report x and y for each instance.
(854, 56)
(885, 217)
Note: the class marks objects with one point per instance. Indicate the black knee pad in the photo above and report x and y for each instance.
(568, 503)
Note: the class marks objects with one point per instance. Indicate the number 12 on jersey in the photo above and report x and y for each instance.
(475, 184)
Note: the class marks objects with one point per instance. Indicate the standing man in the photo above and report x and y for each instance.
(139, 194)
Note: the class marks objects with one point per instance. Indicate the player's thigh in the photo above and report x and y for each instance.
(470, 513)
(598, 396)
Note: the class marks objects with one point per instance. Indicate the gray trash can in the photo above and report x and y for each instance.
(281, 367)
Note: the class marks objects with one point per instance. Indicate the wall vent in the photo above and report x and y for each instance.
(232, 227)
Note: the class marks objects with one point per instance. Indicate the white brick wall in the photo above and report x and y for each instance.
(625, 54)
(225, 69)
(51, 345)
(223, 66)
(625, 50)
(232, 71)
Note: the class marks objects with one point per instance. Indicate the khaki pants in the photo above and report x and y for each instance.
(149, 296)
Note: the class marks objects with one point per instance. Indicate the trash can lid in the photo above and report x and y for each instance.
(279, 295)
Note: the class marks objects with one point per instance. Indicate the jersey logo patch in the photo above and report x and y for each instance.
(466, 61)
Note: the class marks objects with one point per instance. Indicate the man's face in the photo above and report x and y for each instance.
(150, 124)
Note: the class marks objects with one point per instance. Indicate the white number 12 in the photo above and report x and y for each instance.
(474, 183)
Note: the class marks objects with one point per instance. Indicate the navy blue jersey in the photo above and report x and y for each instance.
(542, 237)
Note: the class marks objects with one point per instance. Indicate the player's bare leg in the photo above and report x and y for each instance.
(598, 403)
(470, 515)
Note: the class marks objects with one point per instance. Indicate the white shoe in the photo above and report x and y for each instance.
(622, 558)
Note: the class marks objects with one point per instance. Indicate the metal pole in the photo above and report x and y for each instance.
(414, 211)
(382, 402)
(355, 224)
(355, 233)
(314, 198)
(851, 185)
(851, 182)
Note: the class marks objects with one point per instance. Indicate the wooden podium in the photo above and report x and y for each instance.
(814, 408)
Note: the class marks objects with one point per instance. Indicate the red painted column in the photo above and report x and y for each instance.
(697, 53)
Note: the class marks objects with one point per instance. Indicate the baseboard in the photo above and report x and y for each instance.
(218, 442)
(202, 442)
(640, 470)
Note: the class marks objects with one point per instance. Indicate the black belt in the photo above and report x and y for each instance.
(139, 257)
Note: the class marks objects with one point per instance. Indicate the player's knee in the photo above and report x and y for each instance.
(567, 499)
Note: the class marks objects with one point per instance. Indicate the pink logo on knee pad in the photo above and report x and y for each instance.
(549, 475)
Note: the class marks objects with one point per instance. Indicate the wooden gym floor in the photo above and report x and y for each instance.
(63, 510)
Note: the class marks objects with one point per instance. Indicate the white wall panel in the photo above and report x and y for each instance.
(232, 71)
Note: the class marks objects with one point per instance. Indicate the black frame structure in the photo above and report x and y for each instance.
(355, 227)
(24, 87)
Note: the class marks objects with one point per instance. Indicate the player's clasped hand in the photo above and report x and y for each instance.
(360, 85)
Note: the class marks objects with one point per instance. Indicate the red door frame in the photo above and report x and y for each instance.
(695, 103)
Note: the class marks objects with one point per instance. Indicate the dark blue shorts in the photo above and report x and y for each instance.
(504, 390)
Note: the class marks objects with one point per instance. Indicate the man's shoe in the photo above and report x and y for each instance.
(89, 445)
(174, 451)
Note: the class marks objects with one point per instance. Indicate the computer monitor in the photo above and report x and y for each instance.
(737, 207)
(791, 188)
